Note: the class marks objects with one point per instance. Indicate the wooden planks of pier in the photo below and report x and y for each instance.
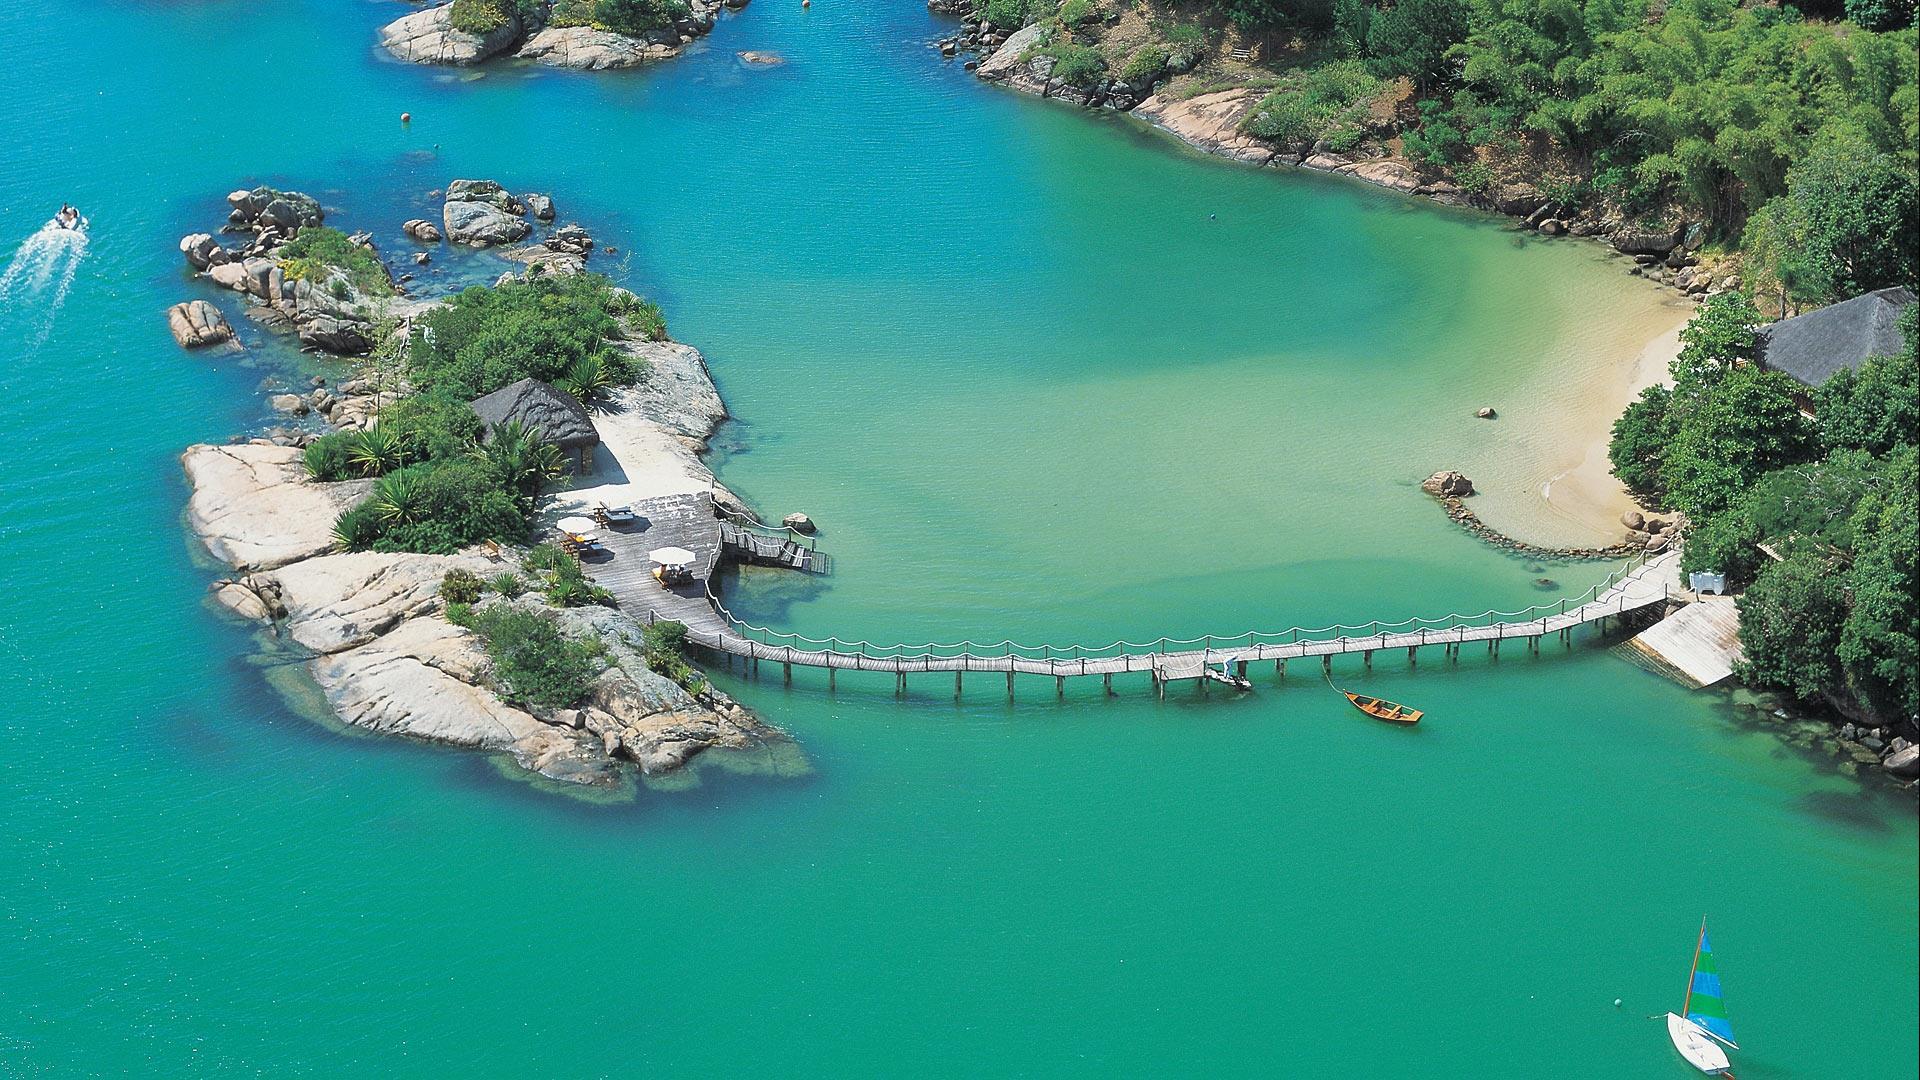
(689, 521)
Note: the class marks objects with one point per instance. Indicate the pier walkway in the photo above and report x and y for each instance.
(690, 521)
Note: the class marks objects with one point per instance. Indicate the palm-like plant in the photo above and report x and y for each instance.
(588, 378)
(374, 451)
(521, 458)
(399, 498)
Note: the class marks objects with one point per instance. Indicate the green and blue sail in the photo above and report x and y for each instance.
(1706, 1005)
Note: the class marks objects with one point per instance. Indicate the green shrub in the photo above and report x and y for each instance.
(507, 584)
(316, 251)
(1075, 12)
(1009, 14)
(430, 426)
(459, 586)
(1146, 64)
(482, 16)
(1075, 64)
(435, 507)
(487, 337)
(664, 645)
(330, 457)
(636, 18)
(533, 662)
(546, 557)
(1328, 102)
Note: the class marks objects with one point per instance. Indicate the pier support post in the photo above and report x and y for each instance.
(1280, 668)
(1106, 681)
(1326, 664)
(900, 684)
(1367, 656)
(1060, 686)
(1413, 660)
(831, 672)
(786, 673)
(956, 685)
(1009, 680)
(1240, 669)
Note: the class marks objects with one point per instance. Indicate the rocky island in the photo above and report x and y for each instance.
(403, 570)
(587, 35)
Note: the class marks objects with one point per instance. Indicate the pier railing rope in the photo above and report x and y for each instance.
(1008, 649)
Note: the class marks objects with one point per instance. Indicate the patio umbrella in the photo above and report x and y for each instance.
(577, 526)
(672, 556)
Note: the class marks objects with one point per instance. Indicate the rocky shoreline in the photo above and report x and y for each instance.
(1211, 122)
(373, 625)
(429, 37)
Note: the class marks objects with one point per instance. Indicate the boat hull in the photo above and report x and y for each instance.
(1696, 1046)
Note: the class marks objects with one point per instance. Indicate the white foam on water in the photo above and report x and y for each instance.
(36, 282)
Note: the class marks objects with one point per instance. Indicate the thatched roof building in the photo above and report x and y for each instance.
(1813, 346)
(557, 415)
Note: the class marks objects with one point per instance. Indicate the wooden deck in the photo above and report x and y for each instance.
(689, 521)
(1698, 646)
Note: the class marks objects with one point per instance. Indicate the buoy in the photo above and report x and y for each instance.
(406, 118)
(1616, 1003)
(806, 3)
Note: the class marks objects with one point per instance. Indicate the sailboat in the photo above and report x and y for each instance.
(1701, 1024)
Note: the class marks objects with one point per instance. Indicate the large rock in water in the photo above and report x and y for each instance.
(428, 37)
(583, 48)
(675, 389)
(1647, 241)
(1448, 485)
(196, 324)
(1008, 59)
(480, 213)
(255, 508)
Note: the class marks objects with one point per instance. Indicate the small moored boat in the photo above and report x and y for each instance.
(1382, 709)
(69, 218)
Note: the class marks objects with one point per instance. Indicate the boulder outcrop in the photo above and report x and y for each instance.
(254, 507)
(480, 213)
(582, 48)
(428, 37)
(196, 324)
(1448, 484)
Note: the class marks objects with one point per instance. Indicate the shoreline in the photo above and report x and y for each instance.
(1578, 507)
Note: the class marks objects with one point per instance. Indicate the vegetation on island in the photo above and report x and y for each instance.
(1816, 519)
(534, 663)
(635, 18)
(483, 17)
(317, 252)
(1786, 130)
(441, 482)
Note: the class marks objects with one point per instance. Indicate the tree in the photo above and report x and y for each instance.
(1841, 229)
(1807, 506)
(1638, 449)
(1790, 625)
(1740, 429)
(1413, 38)
(1721, 334)
(1877, 407)
(1878, 648)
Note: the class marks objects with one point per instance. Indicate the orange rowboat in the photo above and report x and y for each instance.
(1391, 711)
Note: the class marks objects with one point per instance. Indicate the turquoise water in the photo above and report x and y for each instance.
(1030, 387)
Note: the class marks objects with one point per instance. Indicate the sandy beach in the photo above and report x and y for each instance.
(1559, 489)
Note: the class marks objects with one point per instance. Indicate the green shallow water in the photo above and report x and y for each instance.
(1038, 374)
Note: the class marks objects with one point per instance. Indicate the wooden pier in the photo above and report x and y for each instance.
(690, 521)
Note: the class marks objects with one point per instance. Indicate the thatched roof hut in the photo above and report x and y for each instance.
(1813, 346)
(557, 415)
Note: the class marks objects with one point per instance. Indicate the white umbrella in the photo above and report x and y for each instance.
(577, 526)
(671, 556)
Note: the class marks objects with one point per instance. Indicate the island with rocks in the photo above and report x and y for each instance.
(390, 540)
(586, 35)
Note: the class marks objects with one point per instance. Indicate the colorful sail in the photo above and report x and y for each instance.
(1706, 1006)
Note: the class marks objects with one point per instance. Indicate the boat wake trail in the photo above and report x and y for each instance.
(36, 282)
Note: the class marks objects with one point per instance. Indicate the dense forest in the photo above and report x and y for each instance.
(1789, 132)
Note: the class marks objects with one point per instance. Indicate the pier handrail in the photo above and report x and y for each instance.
(901, 652)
